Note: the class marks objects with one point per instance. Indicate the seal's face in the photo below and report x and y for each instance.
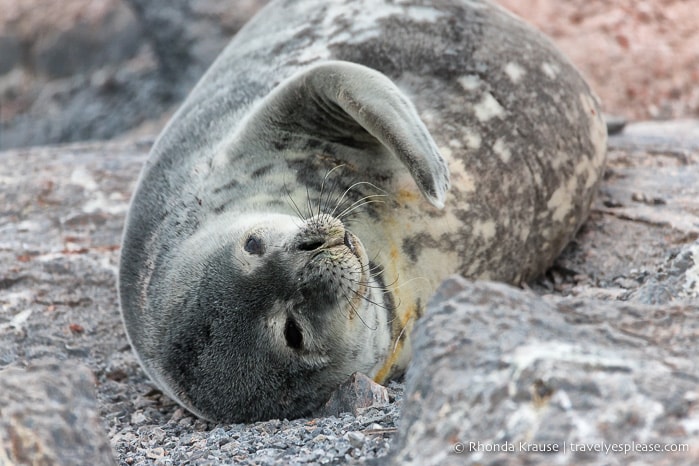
(322, 272)
(288, 312)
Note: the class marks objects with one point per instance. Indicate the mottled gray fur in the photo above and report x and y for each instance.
(323, 104)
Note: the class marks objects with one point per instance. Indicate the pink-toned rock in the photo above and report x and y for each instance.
(356, 394)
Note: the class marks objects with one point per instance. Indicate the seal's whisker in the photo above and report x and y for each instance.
(371, 301)
(353, 186)
(293, 203)
(361, 200)
(330, 191)
(373, 267)
(400, 335)
(354, 207)
(356, 311)
(309, 203)
(332, 198)
(397, 286)
(367, 284)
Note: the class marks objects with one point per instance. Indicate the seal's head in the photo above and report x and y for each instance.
(237, 308)
(269, 320)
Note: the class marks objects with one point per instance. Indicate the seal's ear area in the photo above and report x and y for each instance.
(350, 104)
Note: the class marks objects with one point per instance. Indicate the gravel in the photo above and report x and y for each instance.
(160, 433)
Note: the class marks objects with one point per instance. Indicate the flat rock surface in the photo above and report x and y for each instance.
(48, 415)
(645, 215)
(61, 214)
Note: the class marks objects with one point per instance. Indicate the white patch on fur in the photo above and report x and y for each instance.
(514, 72)
(445, 151)
(473, 139)
(502, 150)
(488, 108)
(561, 201)
(366, 19)
(470, 82)
(524, 230)
(485, 230)
(550, 70)
(475, 264)
(461, 177)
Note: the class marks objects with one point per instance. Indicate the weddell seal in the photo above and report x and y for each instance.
(296, 213)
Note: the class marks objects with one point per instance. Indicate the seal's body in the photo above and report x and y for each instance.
(295, 215)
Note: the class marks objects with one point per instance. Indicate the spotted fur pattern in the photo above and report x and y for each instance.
(516, 125)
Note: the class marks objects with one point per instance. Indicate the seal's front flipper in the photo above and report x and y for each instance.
(350, 104)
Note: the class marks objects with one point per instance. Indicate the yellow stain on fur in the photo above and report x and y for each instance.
(406, 319)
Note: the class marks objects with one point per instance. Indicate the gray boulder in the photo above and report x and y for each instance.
(49, 415)
(503, 376)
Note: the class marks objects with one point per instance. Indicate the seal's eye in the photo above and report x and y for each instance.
(292, 333)
(253, 245)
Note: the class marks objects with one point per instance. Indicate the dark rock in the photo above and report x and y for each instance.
(83, 47)
(356, 394)
(96, 76)
(187, 35)
(615, 124)
(165, 28)
(48, 415)
(500, 375)
(9, 53)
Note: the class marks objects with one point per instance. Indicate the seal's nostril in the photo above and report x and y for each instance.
(310, 245)
(348, 242)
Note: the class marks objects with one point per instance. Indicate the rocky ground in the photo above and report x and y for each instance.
(605, 346)
(641, 56)
(624, 292)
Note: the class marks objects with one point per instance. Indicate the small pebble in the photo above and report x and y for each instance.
(138, 418)
(356, 439)
(155, 453)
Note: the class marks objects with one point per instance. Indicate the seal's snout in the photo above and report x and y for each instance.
(320, 233)
(310, 245)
